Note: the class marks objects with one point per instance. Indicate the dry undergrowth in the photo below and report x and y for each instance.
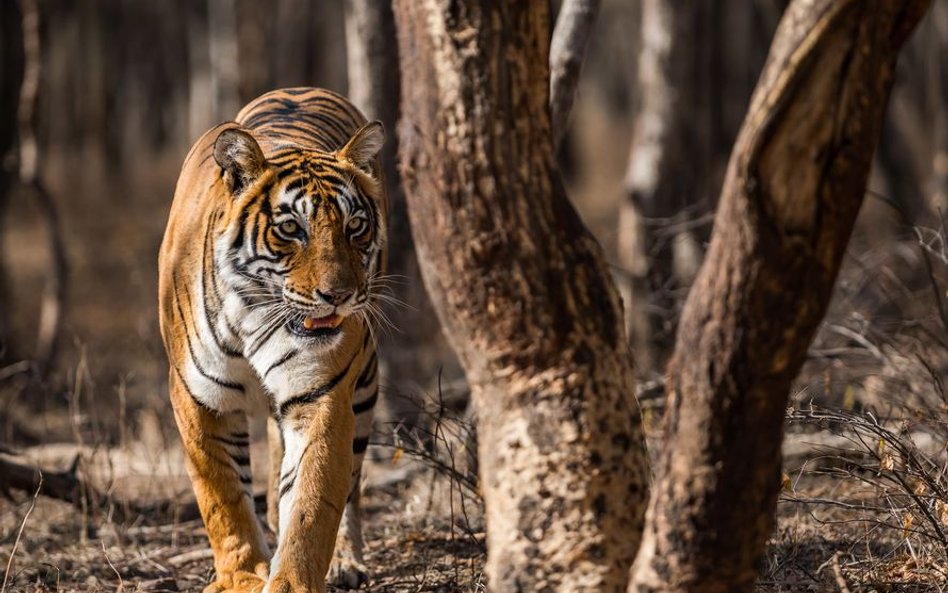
(424, 526)
(866, 507)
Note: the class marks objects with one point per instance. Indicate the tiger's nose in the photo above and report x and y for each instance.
(335, 296)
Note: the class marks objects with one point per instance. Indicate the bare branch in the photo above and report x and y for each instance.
(567, 52)
(68, 486)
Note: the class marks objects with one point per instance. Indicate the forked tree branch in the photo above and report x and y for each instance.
(567, 52)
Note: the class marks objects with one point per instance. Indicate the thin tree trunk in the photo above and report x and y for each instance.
(11, 77)
(223, 57)
(213, 66)
(255, 77)
(571, 34)
(54, 292)
(200, 82)
(793, 188)
(669, 164)
(524, 296)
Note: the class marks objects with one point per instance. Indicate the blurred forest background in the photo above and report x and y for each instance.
(125, 87)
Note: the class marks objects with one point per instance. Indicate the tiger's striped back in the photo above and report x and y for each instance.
(309, 118)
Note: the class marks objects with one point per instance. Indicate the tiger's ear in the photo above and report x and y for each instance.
(364, 146)
(239, 155)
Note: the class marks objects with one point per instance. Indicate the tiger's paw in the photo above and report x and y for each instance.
(238, 582)
(347, 573)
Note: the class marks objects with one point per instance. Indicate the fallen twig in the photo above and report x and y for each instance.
(19, 534)
(838, 573)
(191, 556)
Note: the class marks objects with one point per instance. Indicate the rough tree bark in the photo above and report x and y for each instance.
(412, 355)
(793, 188)
(524, 296)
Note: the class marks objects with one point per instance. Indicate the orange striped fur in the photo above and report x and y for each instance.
(269, 279)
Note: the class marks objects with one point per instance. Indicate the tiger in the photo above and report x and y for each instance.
(268, 275)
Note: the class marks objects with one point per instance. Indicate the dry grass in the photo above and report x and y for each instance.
(411, 545)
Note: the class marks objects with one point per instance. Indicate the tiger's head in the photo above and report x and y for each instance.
(306, 229)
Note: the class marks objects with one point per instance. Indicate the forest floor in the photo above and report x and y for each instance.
(412, 542)
(839, 527)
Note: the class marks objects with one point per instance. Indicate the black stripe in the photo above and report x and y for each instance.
(187, 389)
(218, 341)
(187, 336)
(236, 470)
(241, 460)
(233, 442)
(240, 435)
(255, 234)
(292, 169)
(263, 339)
(366, 405)
(296, 184)
(209, 377)
(359, 445)
(331, 178)
(311, 396)
(239, 241)
(273, 259)
(287, 487)
(368, 372)
(286, 357)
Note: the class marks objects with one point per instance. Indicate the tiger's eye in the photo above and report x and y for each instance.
(289, 227)
(355, 224)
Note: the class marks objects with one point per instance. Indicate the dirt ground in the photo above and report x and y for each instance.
(841, 527)
(412, 542)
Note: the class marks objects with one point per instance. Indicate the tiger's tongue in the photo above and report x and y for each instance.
(331, 320)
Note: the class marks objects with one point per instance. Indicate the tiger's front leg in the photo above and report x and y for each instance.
(317, 429)
(216, 446)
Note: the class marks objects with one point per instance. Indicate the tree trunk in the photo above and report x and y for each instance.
(200, 88)
(412, 355)
(255, 76)
(670, 163)
(11, 77)
(524, 295)
(574, 26)
(223, 51)
(793, 188)
(213, 65)
(54, 292)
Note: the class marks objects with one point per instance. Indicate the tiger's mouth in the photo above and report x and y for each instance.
(315, 327)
